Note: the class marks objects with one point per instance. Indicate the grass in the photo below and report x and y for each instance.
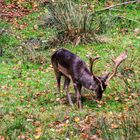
(30, 106)
(29, 94)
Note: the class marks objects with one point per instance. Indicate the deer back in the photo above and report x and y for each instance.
(69, 64)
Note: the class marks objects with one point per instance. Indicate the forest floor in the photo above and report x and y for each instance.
(30, 105)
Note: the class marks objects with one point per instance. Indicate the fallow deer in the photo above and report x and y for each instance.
(69, 65)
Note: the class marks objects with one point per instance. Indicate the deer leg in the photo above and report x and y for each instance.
(65, 83)
(98, 97)
(77, 88)
(58, 78)
(66, 86)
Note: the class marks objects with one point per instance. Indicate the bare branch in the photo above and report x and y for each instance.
(5, 15)
(127, 19)
(112, 6)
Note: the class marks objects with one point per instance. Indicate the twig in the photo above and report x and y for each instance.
(120, 4)
(4, 15)
(116, 10)
(127, 19)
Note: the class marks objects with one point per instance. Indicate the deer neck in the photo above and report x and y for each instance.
(87, 79)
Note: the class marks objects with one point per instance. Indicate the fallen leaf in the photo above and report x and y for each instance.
(37, 136)
(36, 27)
(2, 138)
(99, 106)
(76, 119)
(57, 99)
(21, 137)
(37, 123)
(67, 121)
(114, 126)
(86, 128)
(38, 132)
(85, 136)
(38, 129)
(94, 137)
(116, 98)
(30, 120)
(42, 109)
(28, 139)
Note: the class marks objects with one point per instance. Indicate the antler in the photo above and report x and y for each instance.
(92, 60)
(117, 62)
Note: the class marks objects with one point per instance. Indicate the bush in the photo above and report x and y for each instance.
(74, 23)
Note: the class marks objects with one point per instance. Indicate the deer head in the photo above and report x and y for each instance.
(104, 79)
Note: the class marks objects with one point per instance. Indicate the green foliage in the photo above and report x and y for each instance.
(16, 125)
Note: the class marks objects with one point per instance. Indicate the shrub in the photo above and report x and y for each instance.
(74, 23)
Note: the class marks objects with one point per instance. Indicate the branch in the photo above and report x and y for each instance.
(128, 19)
(4, 15)
(110, 7)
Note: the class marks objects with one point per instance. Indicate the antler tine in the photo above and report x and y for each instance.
(92, 60)
(117, 63)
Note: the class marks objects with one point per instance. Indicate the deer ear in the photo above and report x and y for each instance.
(105, 77)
